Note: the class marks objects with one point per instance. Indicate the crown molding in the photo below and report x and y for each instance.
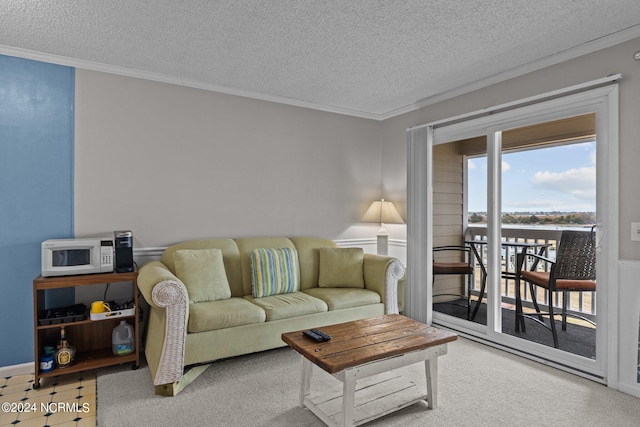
(585, 48)
(574, 52)
(163, 78)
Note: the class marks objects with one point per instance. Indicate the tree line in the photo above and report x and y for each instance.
(577, 218)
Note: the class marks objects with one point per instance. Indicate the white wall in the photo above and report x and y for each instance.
(173, 163)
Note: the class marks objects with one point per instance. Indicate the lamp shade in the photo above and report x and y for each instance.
(382, 212)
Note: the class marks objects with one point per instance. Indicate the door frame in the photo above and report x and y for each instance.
(600, 96)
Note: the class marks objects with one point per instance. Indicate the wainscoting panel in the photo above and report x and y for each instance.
(397, 249)
(629, 328)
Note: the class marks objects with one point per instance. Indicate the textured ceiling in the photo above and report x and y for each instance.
(361, 57)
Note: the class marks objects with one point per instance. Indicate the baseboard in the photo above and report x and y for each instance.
(22, 369)
(629, 389)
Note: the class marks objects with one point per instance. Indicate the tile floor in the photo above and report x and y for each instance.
(65, 401)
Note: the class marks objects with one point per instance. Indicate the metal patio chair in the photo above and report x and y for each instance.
(464, 266)
(573, 270)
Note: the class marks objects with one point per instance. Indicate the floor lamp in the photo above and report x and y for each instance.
(382, 212)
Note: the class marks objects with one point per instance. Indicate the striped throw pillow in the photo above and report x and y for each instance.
(274, 271)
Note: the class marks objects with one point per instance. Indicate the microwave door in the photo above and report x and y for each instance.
(72, 257)
(59, 259)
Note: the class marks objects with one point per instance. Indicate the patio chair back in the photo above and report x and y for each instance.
(576, 256)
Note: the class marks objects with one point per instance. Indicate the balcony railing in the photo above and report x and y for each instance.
(581, 303)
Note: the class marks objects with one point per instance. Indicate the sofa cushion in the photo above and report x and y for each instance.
(212, 315)
(341, 298)
(308, 249)
(230, 255)
(202, 272)
(274, 271)
(285, 306)
(341, 268)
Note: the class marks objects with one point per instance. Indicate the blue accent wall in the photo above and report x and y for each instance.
(36, 189)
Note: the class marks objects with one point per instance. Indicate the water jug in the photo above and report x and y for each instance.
(122, 339)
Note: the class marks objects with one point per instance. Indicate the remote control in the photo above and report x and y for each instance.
(324, 336)
(313, 336)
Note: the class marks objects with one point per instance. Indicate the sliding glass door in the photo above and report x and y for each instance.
(507, 185)
(459, 294)
(549, 187)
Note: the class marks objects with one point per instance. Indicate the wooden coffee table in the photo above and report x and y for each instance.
(371, 349)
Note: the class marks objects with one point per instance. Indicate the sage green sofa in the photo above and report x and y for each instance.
(182, 333)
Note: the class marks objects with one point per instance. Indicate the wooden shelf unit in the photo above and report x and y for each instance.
(91, 339)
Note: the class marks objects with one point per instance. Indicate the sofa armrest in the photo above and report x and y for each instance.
(150, 275)
(163, 290)
(381, 274)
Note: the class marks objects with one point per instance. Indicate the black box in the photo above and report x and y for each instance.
(124, 251)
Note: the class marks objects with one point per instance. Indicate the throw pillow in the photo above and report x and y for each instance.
(274, 271)
(202, 272)
(341, 268)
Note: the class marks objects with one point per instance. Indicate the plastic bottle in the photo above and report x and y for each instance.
(123, 339)
(47, 360)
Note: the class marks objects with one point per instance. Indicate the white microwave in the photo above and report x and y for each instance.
(62, 257)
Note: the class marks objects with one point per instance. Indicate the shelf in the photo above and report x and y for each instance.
(42, 283)
(91, 360)
(81, 322)
(91, 338)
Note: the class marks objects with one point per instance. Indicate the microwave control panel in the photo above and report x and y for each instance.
(106, 253)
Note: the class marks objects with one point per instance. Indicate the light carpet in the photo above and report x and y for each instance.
(477, 386)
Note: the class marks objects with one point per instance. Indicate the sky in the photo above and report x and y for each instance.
(542, 180)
